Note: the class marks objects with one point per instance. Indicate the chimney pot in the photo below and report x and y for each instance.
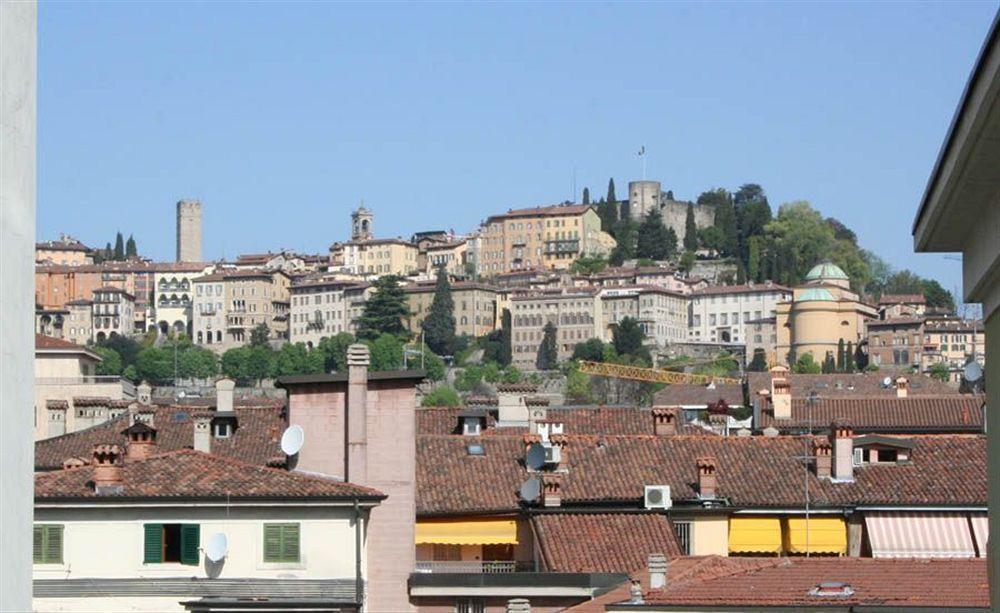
(707, 479)
(144, 393)
(822, 451)
(107, 460)
(141, 441)
(665, 421)
(518, 605)
(781, 398)
(224, 395)
(202, 433)
(657, 571)
(843, 450)
(902, 387)
(552, 489)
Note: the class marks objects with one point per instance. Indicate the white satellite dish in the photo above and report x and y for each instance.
(292, 439)
(887, 382)
(217, 547)
(973, 372)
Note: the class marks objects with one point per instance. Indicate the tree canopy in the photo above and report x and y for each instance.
(439, 325)
(655, 241)
(548, 351)
(384, 311)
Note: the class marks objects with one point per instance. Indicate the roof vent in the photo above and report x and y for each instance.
(832, 589)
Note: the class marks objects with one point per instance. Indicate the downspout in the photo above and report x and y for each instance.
(359, 585)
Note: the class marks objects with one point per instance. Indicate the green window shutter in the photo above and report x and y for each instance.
(190, 540)
(38, 547)
(153, 544)
(281, 542)
(53, 544)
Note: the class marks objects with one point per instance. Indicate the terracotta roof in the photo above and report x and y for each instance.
(895, 321)
(902, 299)
(556, 210)
(699, 395)
(951, 413)
(63, 246)
(787, 582)
(134, 266)
(50, 342)
(756, 288)
(602, 542)
(752, 471)
(56, 403)
(855, 384)
(186, 473)
(91, 401)
(575, 420)
(255, 440)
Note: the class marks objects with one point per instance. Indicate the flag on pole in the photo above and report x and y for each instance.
(642, 151)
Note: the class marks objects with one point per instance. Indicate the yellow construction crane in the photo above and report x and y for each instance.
(651, 375)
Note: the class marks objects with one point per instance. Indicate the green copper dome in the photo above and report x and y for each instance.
(815, 293)
(826, 270)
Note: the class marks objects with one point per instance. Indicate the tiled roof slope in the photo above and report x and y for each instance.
(752, 472)
(600, 542)
(855, 384)
(256, 439)
(701, 395)
(952, 413)
(187, 473)
(613, 421)
(49, 342)
(786, 582)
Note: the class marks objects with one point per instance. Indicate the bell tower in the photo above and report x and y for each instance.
(361, 223)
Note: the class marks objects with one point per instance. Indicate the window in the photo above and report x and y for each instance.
(683, 531)
(48, 544)
(281, 542)
(172, 543)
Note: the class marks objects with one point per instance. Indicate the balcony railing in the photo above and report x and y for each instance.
(82, 380)
(476, 567)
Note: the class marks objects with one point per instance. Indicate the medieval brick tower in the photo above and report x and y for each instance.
(189, 231)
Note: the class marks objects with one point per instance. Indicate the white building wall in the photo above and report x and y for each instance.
(709, 311)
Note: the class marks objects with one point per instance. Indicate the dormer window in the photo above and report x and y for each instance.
(471, 426)
(873, 449)
(222, 429)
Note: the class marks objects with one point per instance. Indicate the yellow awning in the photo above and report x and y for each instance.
(754, 535)
(467, 532)
(826, 535)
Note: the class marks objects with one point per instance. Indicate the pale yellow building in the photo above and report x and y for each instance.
(822, 311)
(475, 307)
(380, 256)
(228, 305)
(576, 312)
(549, 237)
(452, 255)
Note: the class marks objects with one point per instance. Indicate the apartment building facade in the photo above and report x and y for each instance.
(173, 301)
(325, 307)
(228, 305)
(66, 251)
(662, 314)
(896, 341)
(377, 256)
(549, 237)
(719, 314)
(112, 313)
(952, 341)
(451, 255)
(577, 314)
(476, 307)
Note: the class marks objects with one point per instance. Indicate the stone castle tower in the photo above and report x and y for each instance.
(644, 196)
(362, 221)
(189, 231)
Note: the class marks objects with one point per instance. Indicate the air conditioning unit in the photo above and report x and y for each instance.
(553, 454)
(657, 497)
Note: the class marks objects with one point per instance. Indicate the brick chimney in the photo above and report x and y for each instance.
(202, 432)
(902, 387)
(781, 398)
(141, 442)
(657, 566)
(552, 489)
(822, 451)
(358, 359)
(559, 441)
(224, 395)
(706, 477)
(719, 423)
(107, 462)
(843, 450)
(665, 421)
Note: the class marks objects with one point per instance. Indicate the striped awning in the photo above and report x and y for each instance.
(920, 535)
(981, 531)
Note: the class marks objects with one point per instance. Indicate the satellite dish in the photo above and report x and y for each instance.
(973, 372)
(181, 394)
(217, 547)
(531, 489)
(292, 439)
(535, 458)
(887, 382)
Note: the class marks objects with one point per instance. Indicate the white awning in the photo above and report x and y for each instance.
(920, 535)
(980, 530)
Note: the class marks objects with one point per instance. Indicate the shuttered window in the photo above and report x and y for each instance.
(171, 543)
(281, 542)
(48, 544)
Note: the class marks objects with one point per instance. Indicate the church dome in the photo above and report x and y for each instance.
(816, 293)
(826, 271)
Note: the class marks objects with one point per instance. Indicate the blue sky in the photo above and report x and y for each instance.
(280, 117)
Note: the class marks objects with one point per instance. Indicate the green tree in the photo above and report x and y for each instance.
(155, 365)
(510, 374)
(939, 371)
(126, 347)
(259, 335)
(608, 212)
(384, 311)
(589, 264)
(655, 241)
(197, 363)
(687, 261)
(386, 352)
(937, 297)
(469, 378)
(111, 362)
(291, 359)
(759, 361)
(492, 372)
(625, 239)
(755, 269)
(235, 363)
(497, 346)
(439, 325)
(690, 230)
(591, 350)
(611, 198)
(577, 387)
(829, 366)
(130, 250)
(627, 337)
(334, 350)
(849, 357)
(433, 366)
(586, 195)
(861, 359)
(119, 252)
(725, 219)
(259, 363)
(441, 396)
(548, 351)
(841, 356)
(806, 365)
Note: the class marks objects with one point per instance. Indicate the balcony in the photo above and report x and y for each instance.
(475, 566)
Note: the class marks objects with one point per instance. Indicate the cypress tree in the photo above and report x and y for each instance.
(690, 230)
(506, 349)
(759, 362)
(608, 214)
(841, 359)
(624, 233)
(828, 364)
(586, 195)
(439, 325)
(612, 199)
(384, 311)
(849, 357)
(548, 354)
(108, 253)
(119, 247)
(130, 250)
(860, 359)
